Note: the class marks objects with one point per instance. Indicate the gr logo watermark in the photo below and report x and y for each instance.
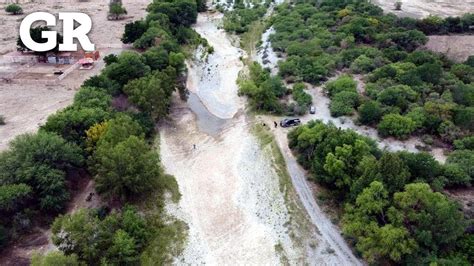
(69, 31)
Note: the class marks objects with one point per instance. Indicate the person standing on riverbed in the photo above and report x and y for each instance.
(275, 123)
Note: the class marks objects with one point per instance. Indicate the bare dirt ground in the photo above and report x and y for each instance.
(104, 33)
(465, 196)
(26, 106)
(424, 8)
(456, 47)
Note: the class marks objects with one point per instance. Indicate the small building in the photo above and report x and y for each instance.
(51, 58)
(62, 58)
(65, 58)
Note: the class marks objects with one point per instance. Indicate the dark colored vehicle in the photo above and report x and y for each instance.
(290, 122)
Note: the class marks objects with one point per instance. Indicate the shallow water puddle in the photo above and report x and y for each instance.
(206, 121)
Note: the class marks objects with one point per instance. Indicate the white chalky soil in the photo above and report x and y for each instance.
(230, 192)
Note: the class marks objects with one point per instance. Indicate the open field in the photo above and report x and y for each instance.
(456, 47)
(424, 8)
(26, 106)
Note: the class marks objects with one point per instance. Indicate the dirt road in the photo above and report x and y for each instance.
(329, 232)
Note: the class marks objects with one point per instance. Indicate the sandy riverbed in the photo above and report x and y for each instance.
(231, 199)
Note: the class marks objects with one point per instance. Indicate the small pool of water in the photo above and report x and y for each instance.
(207, 122)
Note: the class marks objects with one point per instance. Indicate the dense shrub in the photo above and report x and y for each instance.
(417, 84)
(14, 9)
(370, 112)
(391, 212)
(396, 125)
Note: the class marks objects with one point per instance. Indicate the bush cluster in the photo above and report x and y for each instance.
(392, 210)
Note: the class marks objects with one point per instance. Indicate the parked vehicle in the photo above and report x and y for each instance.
(290, 122)
(312, 109)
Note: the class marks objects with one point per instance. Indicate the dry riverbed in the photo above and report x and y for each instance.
(241, 208)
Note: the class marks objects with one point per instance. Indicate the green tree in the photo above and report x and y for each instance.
(432, 220)
(363, 64)
(110, 58)
(393, 172)
(180, 12)
(41, 161)
(419, 116)
(430, 73)
(340, 164)
(464, 118)
(127, 169)
(464, 159)
(421, 165)
(399, 96)
(455, 175)
(376, 242)
(396, 125)
(201, 5)
(14, 9)
(91, 97)
(123, 250)
(119, 129)
(13, 196)
(343, 103)
(116, 10)
(370, 112)
(367, 171)
(388, 241)
(176, 60)
(466, 143)
(130, 65)
(464, 72)
(303, 99)
(156, 58)
(76, 234)
(116, 238)
(133, 31)
(153, 36)
(343, 83)
(72, 123)
(101, 81)
(464, 94)
(151, 93)
(54, 258)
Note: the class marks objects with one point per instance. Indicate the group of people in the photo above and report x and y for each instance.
(274, 123)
